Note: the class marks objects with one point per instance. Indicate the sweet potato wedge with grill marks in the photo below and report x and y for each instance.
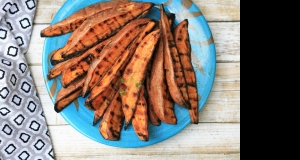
(158, 93)
(75, 65)
(114, 85)
(79, 66)
(112, 122)
(119, 64)
(98, 28)
(106, 81)
(140, 117)
(112, 89)
(174, 71)
(154, 120)
(134, 74)
(182, 41)
(72, 22)
(66, 96)
(111, 53)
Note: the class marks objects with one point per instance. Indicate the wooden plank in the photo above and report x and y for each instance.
(213, 10)
(161, 156)
(227, 40)
(216, 10)
(226, 37)
(204, 138)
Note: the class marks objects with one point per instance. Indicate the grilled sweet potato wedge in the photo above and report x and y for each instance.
(140, 117)
(106, 80)
(134, 74)
(115, 83)
(111, 53)
(77, 67)
(66, 96)
(182, 41)
(111, 124)
(98, 28)
(158, 93)
(151, 114)
(174, 71)
(76, 19)
(119, 64)
(112, 89)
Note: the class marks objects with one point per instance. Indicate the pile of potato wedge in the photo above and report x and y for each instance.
(131, 69)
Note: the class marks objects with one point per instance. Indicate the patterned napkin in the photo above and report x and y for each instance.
(23, 129)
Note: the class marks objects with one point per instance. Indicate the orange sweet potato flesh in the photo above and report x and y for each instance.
(72, 22)
(182, 40)
(113, 90)
(158, 94)
(174, 71)
(111, 124)
(111, 53)
(78, 67)
(98, 28)
(140, 117)
(115, 83)
(134, 74)
(102, 86)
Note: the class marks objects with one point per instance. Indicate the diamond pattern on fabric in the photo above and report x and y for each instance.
(23, 130)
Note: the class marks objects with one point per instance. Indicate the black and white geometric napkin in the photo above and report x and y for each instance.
(23, 129)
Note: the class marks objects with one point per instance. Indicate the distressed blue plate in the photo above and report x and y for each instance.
(203, 58)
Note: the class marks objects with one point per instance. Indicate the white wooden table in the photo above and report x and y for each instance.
(217, 136)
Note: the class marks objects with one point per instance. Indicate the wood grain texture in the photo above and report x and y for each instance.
(216, 137)
(213, 10)
(204, 138)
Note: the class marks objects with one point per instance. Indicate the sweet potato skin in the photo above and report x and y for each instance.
(67, 95)
(174, 72)
(182, 41)
(158, 93)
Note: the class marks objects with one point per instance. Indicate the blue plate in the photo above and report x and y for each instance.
(203, 58)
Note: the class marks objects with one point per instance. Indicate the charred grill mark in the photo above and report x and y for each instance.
(191, 84)
(126, 106)
(145, 137)
(119, 99)
(129, 71)
(115, 133)
(112, 113)
(98, 50)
